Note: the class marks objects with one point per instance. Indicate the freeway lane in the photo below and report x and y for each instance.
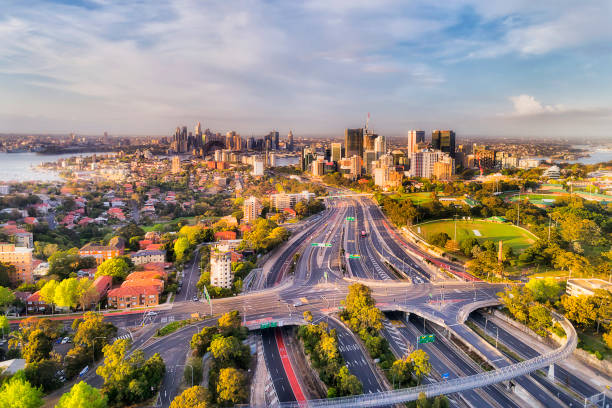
(525, 351)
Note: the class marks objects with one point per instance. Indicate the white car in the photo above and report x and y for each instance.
(152, 313)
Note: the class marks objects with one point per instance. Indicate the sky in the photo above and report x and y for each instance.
(480, 67)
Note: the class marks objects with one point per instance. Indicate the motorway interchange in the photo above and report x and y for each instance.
(417, 298)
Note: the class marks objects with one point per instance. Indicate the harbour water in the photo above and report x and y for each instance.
(22, 166)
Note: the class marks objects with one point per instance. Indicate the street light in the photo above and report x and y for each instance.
(93, 349)
(187, 365)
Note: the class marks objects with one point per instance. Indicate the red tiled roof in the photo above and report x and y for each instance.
(133, 291)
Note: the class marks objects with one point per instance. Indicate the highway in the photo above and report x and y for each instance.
(516, 345)
(318, 284)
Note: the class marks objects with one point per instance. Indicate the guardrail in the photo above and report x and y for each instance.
(454, 385)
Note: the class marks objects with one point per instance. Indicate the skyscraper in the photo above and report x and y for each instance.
(290, 141)
(444, 140)
(380, 146)
(369, 138)
(353, 142)
(336, 152)
(414, 138)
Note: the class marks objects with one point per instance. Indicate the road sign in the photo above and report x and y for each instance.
(445, 376)
(320, 245)
(350, 218)
(267, 325)
(427, 338)
(354, 256)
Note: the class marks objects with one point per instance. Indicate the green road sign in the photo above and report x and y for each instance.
(350, 218)
(268, 325)
(428, 338)
(206, 295)
(354, 256)
(320, 245)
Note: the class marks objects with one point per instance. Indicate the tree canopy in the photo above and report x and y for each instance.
(82, 395)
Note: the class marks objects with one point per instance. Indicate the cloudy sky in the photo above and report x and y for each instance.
(482, 67)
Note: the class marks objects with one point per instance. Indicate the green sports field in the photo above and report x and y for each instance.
(539, 199)
(515, 237)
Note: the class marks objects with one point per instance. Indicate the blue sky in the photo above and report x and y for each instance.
(481, 67)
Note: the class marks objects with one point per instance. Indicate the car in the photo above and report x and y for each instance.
(195, 298)
(84, 371)
(64, 340)
(152, 313)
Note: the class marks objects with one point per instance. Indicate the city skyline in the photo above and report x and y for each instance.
(513, 69)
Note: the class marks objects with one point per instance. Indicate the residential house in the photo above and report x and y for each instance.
(147, 256)
(133, 296)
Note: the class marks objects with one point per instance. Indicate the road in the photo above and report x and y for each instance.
(318, 284)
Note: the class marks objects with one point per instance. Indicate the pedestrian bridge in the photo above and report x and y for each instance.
(388, 398)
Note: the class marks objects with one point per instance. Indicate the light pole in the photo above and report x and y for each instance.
(93, 349)
(187, 365)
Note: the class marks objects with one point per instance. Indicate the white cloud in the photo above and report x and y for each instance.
(525, 105)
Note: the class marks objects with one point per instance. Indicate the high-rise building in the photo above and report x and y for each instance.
(414, 138)
(443, 140)
(380, 146)
(318, 167)
(336, 152)
(176, 164)
(353, 142)
(369, 138)
(21, 258)
(444, 169)
(258, 167)
(221, 269)
(369, 156)
(281, 201)
(290, 141)
(251, 209)
(308, 155)
(422, 163)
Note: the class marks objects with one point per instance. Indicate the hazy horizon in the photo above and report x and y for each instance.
(515, 69)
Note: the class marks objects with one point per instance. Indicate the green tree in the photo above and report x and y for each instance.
(118, 268)
(43, 373)
(82, 395)
(181, 246)
(47, 293)
(5, 271)
(38, 347)
(540, 319)
(440, 239)
(86, 293)
(226, 349)
(66, 293)
(348, 384)
(544, 290)
(6, 297)
(420, 363)
(93, 333)
(231, 387)
(194, 397)
(201, 341)
(230, 323)
(607, 338)
(129, 379)
(18, 393)
(4, 325)
(401, 371)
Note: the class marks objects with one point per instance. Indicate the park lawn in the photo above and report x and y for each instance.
(538, 199)
(593, 342)
(189, 220)
(517, 238)
(424, 197)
